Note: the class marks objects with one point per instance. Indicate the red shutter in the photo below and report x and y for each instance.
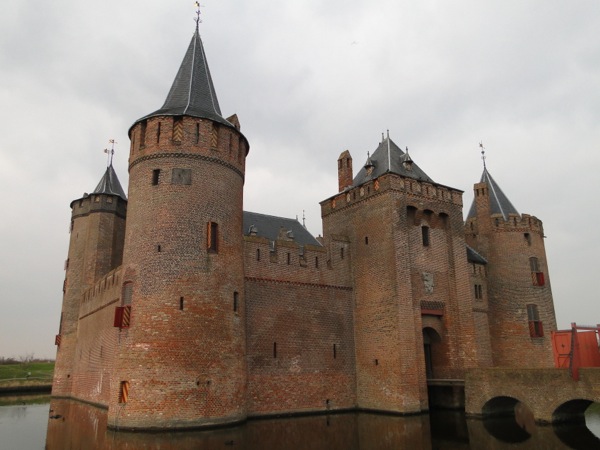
(118, 316)
(57, 340)
(540, 278)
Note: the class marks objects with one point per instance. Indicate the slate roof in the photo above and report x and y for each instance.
(269, 227)
(499, 202)
(474, 257)
(109, 184)
(192, 93)
(389, 158)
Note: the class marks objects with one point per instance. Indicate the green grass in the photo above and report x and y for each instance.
(33, 370)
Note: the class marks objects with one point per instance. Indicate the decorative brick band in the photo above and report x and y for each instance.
(297, 283)
(187, 156)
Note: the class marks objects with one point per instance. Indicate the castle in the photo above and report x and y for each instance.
(182, 310)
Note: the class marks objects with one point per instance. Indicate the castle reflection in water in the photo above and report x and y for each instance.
(73, 425)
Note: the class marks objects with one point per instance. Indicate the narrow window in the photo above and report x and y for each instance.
(536, 328)
(158, 248)
(533, 263)
(274, 349)
(143, 134)
(342, 252)
(158, 133)
(376, 362)
(334, 351)
(425, 236)
(212, 237)
(155, 176)
(235, 301)
(181, 303)
(289, 258)
(316, 262)
(197, 140)
(258, 254)
(366, 240)
(527, 238)
(124, 392)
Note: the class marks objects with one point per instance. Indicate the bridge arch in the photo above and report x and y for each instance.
(572, 411)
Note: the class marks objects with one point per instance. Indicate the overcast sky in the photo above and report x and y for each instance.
(307, 80)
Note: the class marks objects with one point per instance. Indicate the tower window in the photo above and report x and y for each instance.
(425, 236)
(212, 237)
(316, 262)
(143, 134)
(478, 291)
(527, 238)
(258, 254)
(289, 258)
(236, 298)
(197, 140)
(334, 351)
(181, 303)
(274, 349)
(536, 328)
(366, 240)
(342, 252)
(155, 176)
(158, 133)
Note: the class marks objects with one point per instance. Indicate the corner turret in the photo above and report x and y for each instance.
(183, 274)
(95, 248)
(521, 309)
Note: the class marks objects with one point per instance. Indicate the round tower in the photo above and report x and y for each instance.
(95, 248)
(181, 359)
(521, 309)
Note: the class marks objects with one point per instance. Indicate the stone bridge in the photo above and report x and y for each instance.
(551, 394)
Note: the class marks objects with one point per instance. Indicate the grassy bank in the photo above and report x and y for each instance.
(26, 374)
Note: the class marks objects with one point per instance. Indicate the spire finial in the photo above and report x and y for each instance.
(110, 152)
(482, 153)
(197, 19)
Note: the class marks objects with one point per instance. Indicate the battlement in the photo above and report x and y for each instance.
(515, 222)
(414, 189)
(288, 260)
(92, 203)
(104, 292)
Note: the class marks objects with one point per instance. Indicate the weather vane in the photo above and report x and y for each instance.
(482, 153)
(110, 152)
(197, 19)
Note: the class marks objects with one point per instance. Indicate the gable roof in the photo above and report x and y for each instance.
(269, 227)
(388, 157)
(499, 202)
(192, 93)
(109, 184)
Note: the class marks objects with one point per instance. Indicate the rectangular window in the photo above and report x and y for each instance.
(212, 235)
(158, 133)
(536, 328)
(122, 316)
(533, 264)
(236, 298)
(155, 176)
(425, 236)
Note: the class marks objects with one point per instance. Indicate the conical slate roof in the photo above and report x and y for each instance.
(389, 158)
(109, 184)
(192, 93)
(499, 202)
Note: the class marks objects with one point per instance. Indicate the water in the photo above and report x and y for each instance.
(77, 426)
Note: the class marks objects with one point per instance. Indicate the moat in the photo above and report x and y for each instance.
(75, 425)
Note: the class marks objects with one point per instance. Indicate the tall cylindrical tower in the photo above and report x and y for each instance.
(521, 309)
(181, 359)
(95, 248)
